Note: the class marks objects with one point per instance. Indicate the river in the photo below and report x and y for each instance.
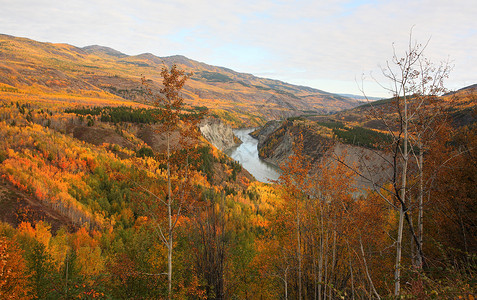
(247, 155)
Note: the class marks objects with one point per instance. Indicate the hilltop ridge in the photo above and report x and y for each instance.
(34, 67)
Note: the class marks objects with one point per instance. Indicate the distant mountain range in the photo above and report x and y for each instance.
(360, 97)
(29, 66)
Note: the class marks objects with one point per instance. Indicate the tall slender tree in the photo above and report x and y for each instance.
(181, 133)
(415, 83)
(295, 182)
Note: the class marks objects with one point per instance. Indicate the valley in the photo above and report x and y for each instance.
(145, 177)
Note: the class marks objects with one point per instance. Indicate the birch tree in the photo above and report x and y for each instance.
(415, 84)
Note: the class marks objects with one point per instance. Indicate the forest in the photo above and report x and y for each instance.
(187, 222)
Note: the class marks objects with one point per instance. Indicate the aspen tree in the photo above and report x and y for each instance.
(173, 122)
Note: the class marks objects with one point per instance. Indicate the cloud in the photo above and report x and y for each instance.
(307, 42)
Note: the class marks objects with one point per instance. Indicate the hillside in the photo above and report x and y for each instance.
(361, 135)
(323, 143)
(29, 67)
(79, 189)
(16, 206)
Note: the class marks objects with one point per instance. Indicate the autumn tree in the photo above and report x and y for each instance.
(211, 244)
(313, 226)
(181, 135)
(40, 266)
(326, 237)
(454, 193)
(13, 271)
(451, 227)
(295, 183)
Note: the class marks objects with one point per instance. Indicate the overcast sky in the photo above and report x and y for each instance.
(323, 44)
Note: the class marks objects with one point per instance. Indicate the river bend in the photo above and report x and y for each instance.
(247, 155)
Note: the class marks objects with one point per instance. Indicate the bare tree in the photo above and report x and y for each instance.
(415, 85)
(411, 118)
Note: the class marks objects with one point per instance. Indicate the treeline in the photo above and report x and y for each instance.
(118, 114)
(308, 236)
(215, 256)
(330, 244)
(357, 135)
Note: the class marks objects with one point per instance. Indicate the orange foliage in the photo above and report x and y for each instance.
(13, 277)
(88, 252)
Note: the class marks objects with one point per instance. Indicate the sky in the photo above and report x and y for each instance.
(336, 46)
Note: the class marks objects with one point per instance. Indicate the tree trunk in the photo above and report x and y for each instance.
(333, 262)
(315, 279)
(298, 240)
(351, 274)
(420, 224)
(169, 214)
(325, 264)
(322, 249)
(286, 283)
(397, 272)
(402, 196)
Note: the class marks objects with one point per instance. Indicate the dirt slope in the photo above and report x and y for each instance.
(17, 207)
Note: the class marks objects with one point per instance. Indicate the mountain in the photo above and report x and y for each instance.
(105, 50)
(32, 67)
(93, 206)
(360, 97)
(472, 87)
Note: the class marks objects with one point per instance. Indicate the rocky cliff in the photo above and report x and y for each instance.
(277, 144)
(218, 134)
(276, 141)
(262, 133)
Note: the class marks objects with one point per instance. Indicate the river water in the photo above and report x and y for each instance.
(247, 155)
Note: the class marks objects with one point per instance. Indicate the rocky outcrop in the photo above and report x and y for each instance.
(218, 134)
(262, 133)
(276, 146)
(276, 141)
(280, 153)
(373, 165)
